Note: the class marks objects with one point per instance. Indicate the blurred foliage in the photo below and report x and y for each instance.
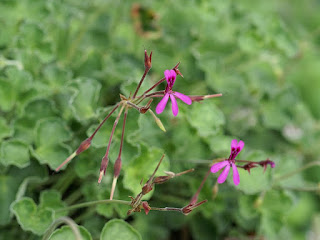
(63, 65)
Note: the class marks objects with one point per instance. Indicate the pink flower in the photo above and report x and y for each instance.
(170, 76)
(236, 148)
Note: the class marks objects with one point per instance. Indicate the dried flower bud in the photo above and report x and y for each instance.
(84, 146)
(146, 207)
(188, 209)
(161, 179)
(177, 70)
(147, 60)
(147, 188)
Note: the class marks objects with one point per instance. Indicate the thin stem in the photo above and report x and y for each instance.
(302, 189)
(67, 221)
(146, 70)
(123, 129)
(103, 121)
(113, 129)
(93, 203)
(166, 209)
(161, 93)
(287, 175)
(155, 85)
(194, 199)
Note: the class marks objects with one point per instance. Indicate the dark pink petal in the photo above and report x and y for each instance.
(236, 177)
(183, 98)
(217, 166)
(234, 144)
(167, 74)
(223, 176)
(162, 104)
(240, 145)
(175, 108)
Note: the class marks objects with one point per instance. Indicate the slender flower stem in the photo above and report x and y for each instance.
(93, 203)
(194, 199)
(166, 209)
(59, 221)
(118, 166)
(155, 85)
(160, 93)
(104, 162)
(146, 70)
(123, 129)
(290, 174)
(103, 121)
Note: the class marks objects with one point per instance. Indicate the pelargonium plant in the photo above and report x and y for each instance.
(136, 102)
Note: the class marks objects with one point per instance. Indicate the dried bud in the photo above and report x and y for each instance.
(249, 165)
(147, 60)
(161, 179)
(177, 70)
(146, 207)
(188, 209)
(84, 146)
(147, 188)
(144, 109)
(117, 167)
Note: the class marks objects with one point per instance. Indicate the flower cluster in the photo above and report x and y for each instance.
(134, 102)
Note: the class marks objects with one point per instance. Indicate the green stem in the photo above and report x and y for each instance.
(92, 203)
(67, 221)
(290, 174)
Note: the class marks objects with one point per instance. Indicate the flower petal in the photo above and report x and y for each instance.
(217, 166)
(162, 104)
(236, 177)
(175, 108)
(223, 176)
(234, 144)
(240, 145)
(167, 74)
(183, 98)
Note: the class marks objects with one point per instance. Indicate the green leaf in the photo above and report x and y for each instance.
(117, 229)
(85, 101)
(142, 167)
(66, 233)
(13, 185)
(52, 155)
(15, 152)
(5, 129)
(206, 118)
(51, 132)
(38, 109)
(31, 217)
(258, 180)
(51, 199)
(7, 95)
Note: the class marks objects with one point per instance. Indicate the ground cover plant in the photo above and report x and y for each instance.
(232, 155)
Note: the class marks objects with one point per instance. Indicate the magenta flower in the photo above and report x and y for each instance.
(236, 148)
(170, 76)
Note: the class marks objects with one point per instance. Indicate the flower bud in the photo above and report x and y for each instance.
(147, 60)
(84, 146)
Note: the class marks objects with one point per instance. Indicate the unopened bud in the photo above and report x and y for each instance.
(84, 146)
(188, 209)
(117, 167)
(147, 60)
(157, 120)
(146, 207)
(215, 190)
(161, 179)
(147, 188)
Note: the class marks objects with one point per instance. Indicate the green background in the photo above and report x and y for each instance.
(62, 67)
